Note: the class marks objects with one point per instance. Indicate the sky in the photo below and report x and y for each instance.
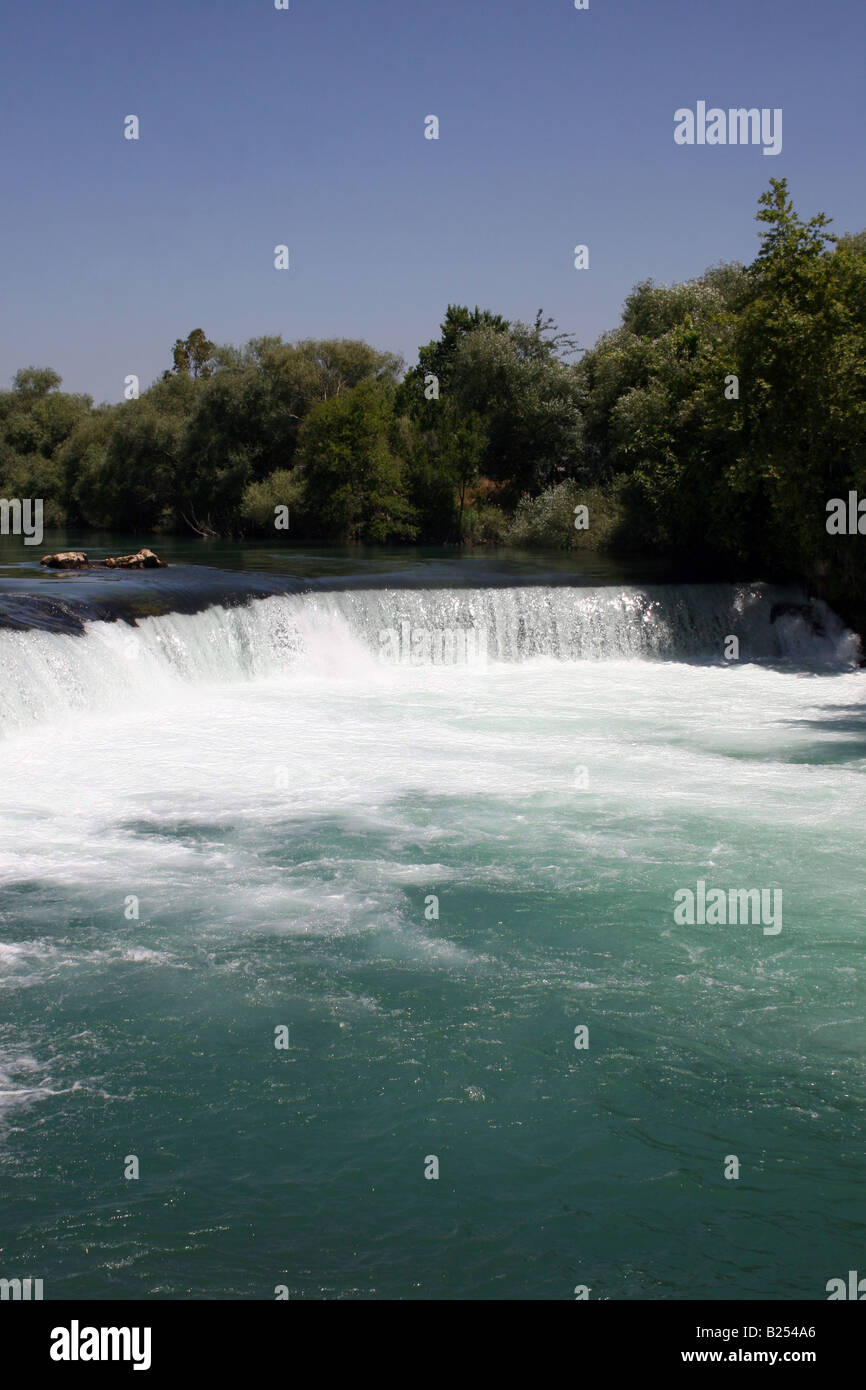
(306, 128)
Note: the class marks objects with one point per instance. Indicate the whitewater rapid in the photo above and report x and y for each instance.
(45, 675)
(216, 824)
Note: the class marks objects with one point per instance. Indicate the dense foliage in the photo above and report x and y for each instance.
(712, 427)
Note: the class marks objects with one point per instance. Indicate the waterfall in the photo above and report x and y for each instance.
(45, 674)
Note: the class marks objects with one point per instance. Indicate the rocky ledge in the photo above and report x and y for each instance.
(77, 560)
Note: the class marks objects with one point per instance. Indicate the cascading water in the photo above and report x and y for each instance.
(44, 674)
(430, 833)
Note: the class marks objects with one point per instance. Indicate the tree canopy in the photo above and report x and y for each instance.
(711, 426)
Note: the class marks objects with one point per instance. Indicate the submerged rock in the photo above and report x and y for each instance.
(77, 560)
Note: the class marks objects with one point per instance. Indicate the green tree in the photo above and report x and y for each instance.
(530, 400)
(657, 415)
(462, 451)
(194, 355)
(36, 419)
(802, 345)
(131, 483)
(36, 381)
(353, 483)
(436, 359)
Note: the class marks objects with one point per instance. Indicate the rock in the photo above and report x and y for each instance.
(141, 560)
(66, 560)
(77, 560)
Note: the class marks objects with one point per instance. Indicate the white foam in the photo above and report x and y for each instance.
(340, 637)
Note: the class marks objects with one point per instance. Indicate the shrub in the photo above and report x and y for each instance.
(260, 500)
(546, 522)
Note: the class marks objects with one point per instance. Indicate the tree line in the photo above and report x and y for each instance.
(711, 427)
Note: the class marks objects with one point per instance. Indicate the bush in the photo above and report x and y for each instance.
(546, 522)
(485, 524)
(260, 500)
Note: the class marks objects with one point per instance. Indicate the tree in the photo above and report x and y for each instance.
(461, 451)
(244, 420)
(81, 459)
(36, 381)
(194, 355)
(657, 416)
(437, 359)
(529, 399)
(802, 344)
(36, 419)
(132, 483)
(353, 483)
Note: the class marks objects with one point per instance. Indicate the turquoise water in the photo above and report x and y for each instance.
(285, 804)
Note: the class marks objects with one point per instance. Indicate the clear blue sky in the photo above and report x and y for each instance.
(306, 127)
